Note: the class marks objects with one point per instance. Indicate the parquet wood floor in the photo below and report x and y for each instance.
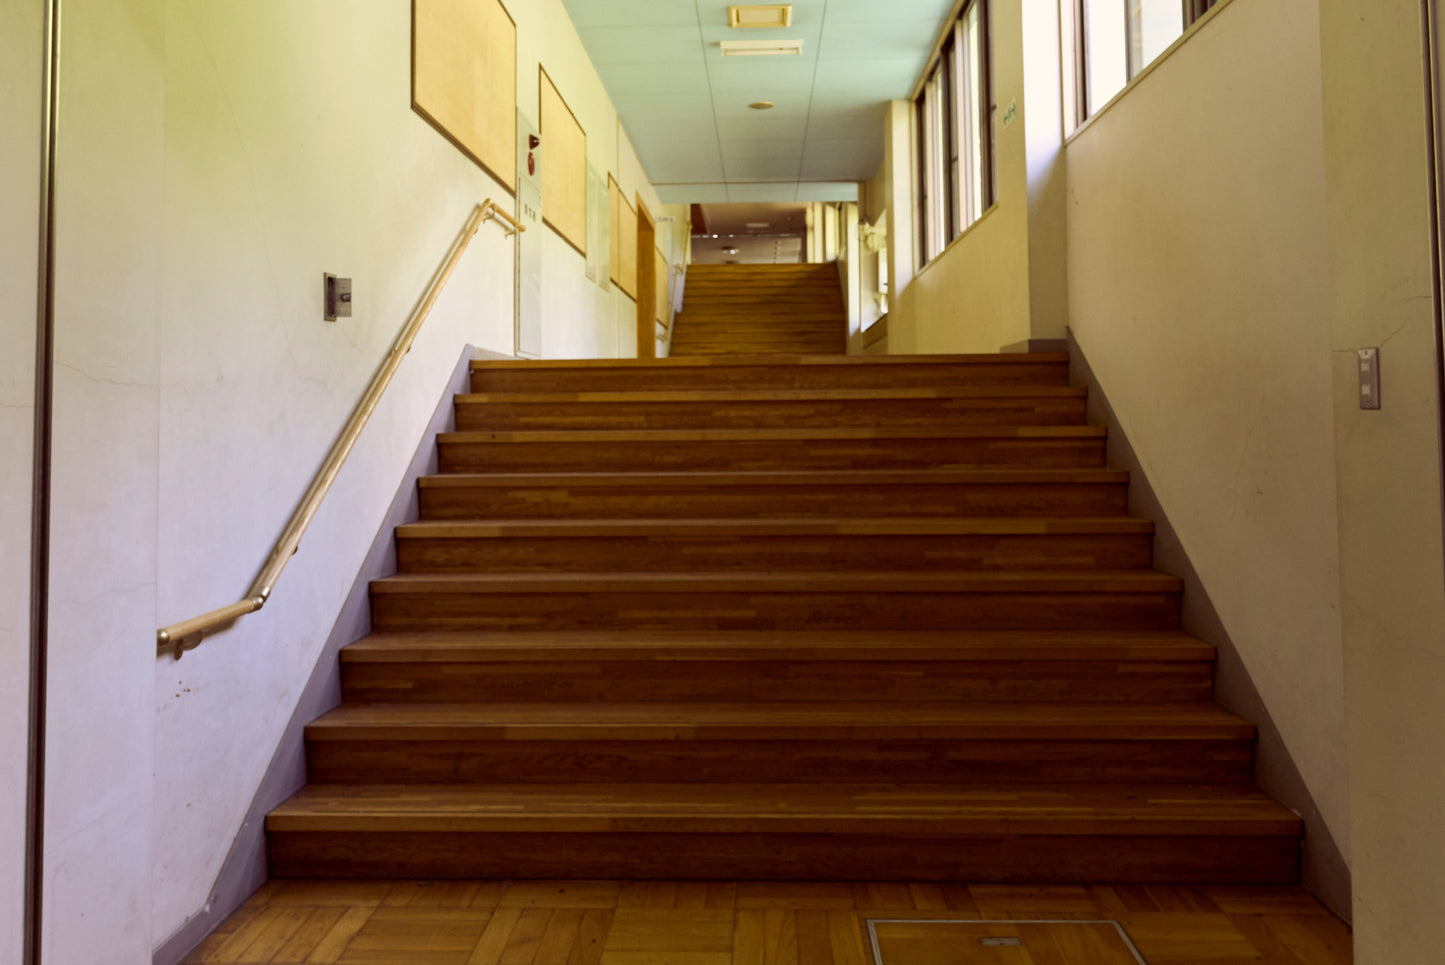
(754, 923)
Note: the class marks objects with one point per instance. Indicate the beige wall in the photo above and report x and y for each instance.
(1388, 473)
(897, 178)
(21, 43)
(1196, 257)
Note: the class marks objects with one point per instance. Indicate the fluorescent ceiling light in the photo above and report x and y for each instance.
(760, 48)
(771, 15)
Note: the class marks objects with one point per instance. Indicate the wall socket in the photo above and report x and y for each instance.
(1368, 368)
(338, 297)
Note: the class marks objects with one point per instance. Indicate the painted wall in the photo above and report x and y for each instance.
(21, 43)
(1196, 248)
(216, 159)
(974, 297)
(1388, 473)
(105, 483)
(581, 319)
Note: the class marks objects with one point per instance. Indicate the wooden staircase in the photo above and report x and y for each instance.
(761, 310)
(779, 617)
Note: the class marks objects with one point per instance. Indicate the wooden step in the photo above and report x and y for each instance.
(769, 372)
(800, 666)
(858, 493)
(869, 743)
(1097, 600)
(1019, 833)
(943, 447)
(826, 408)
(721, 321)
(717, 545)
(726, 351)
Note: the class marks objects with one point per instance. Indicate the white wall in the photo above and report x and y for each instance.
(21, 43)
(1388, 473)
(216, 159)
(1196, 240)
(104, 484)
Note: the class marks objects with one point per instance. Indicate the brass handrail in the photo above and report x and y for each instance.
(177, 638)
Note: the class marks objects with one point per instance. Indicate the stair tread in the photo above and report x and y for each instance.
(804, 477)
(815, 808)
(791, 645)
(1003, 581)
(982, 392)
(780, 361)
(668, 721)
(820, 526)
(773, 435)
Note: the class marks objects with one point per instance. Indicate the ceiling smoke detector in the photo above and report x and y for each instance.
(760, 48)
(765, 15)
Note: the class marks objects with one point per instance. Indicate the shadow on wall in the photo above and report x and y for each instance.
(245, 867)
(1325, 872)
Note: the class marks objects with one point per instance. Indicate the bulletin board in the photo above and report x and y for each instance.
(624, 242)
(564, 167)
(664, 296)
(464, 79)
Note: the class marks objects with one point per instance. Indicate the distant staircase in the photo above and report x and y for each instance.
(761, 310)
(779, 617)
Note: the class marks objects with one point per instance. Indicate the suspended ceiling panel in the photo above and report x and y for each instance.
(685, 106)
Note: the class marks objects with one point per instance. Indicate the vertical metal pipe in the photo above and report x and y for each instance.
(40, 500)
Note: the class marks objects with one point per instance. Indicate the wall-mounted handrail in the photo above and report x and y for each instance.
(177, 638)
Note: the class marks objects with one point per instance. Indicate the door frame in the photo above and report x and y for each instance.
(646, 282)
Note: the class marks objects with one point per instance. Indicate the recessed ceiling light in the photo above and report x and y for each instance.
(770, 15)
(730, 251)
(761, 105)
(760, 48)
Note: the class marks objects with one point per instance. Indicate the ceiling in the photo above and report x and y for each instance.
(685, 106)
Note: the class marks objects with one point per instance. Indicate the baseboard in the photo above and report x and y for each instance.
(244, 869)
(1037, 345)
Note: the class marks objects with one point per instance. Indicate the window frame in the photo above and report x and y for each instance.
(1193, 11)
(944, 168)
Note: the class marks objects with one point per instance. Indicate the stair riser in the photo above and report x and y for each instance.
(864, 610)
(779, 454)
(563, 679)
(801, 857)
(721, 351)
(509, 416)
(822, 500)
(819, 553)
(777, 761)
(741, 343)
(524, 378)
(724, 325)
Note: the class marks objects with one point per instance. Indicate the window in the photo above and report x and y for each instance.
(1117, 39)
(954, 115)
